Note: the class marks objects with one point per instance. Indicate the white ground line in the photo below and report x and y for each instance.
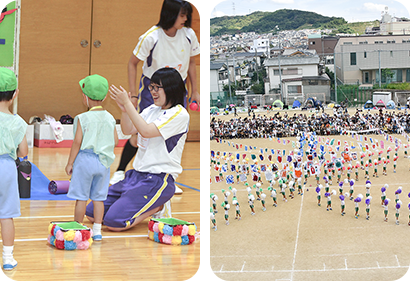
(397, 260)
(243, 266)
(362, 253)
(378, 266)
(297, 237)
(345, 264)
(310, 270)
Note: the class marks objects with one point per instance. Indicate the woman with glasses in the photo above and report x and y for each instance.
(161, 129)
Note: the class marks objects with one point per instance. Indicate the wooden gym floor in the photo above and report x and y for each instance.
(128, 255)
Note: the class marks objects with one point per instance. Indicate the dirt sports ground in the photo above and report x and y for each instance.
(299, 240)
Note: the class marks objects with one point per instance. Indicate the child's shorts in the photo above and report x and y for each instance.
(138, 193)
(90, 179)
(9, 190)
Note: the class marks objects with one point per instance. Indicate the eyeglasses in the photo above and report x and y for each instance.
(154, 87)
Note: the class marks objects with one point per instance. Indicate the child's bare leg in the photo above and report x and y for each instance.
(7, 231)
(79, 210)
(98, 211)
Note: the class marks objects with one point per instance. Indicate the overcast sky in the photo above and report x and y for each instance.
(350, 10)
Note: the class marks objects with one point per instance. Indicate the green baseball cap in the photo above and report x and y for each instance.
(94, 86)
(8, 81)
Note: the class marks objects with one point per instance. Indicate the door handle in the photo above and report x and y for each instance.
(84, 43)
(97, 43)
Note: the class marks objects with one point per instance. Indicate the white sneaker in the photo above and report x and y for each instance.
(165, 212)
(117, 176)
(9, 263)
(178, 190)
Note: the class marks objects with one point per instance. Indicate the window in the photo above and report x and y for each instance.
(391, 41)
(352, 58)
(391, 53)
(399, 75)
(290, 71)
(407, 75)
(406, 41)
(276, 72)
(378, 42)
(294, 89)
(312, 43)
(365, 54)
(347, 43)
(364, 42)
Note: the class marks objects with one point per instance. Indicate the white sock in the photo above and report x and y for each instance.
(8, 251)
(97, 228)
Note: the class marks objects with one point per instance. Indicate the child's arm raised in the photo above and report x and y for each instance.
(122, 98)
(75, 148)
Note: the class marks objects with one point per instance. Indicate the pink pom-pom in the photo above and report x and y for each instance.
(83, 245)
(48, 238)
(185, 230)
(155, 227)
(193, 106)
(167, 239)
(78, 237)
(60, 235)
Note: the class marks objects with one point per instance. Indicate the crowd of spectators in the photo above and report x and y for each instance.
(281, 124)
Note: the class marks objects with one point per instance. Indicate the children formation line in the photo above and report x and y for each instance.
(300, 165)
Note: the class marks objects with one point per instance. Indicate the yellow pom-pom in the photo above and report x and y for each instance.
(69, 235)
(151, 235)
(90, 240)
(161, 227)
(191, 230)
(50, 226)
(176, 240)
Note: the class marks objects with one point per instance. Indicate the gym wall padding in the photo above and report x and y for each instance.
(7, 29)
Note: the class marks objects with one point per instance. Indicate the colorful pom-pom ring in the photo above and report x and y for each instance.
(174, 231)
(69, 235)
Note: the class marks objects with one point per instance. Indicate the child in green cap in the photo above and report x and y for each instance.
(13, 144)
(92, 152)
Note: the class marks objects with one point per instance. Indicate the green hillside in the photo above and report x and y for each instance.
(285, 19)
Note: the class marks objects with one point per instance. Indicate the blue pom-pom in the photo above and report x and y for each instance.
(368, 182)
(398, 191)
(358, 199)
(367, 201)
(317, 189)
(398, 206)
(408, 195)
(57, 228)
(383, 189)
(386, 202)
(168, 230)
(342, 197)
(341, 184)
(409, 206)
(53, 239)
(351, 183)
(70, 245)
(327, 194)
(185, 240)
(156, 239)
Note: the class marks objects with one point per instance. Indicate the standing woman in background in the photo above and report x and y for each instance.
(170, 43)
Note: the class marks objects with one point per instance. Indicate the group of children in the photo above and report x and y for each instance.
(295, 173)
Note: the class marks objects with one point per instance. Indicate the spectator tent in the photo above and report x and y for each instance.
(311, 102)
(380, 104)
(368, 105)
(296, 104)
(277, 103)
(391, 105)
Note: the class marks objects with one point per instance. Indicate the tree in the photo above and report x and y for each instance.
(387, 74)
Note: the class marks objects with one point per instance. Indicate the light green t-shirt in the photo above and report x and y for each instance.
(12, 131)
(98, 134)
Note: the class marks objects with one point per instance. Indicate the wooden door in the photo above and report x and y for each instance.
(52, 61)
